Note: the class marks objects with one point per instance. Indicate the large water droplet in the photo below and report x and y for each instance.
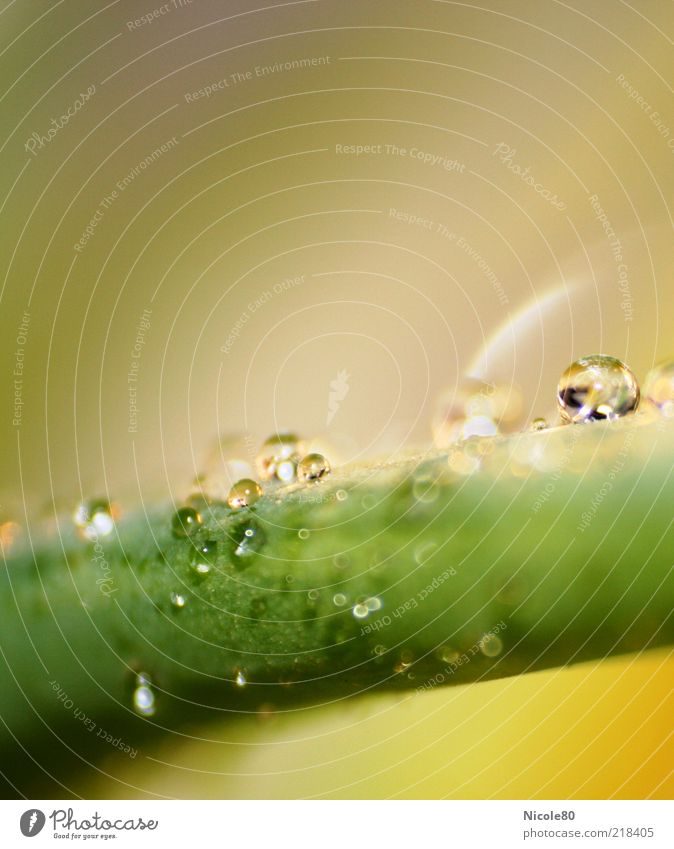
(595, 388)
(278, 457)
(659, 387)
(95, 518)
(313, 467)
(244, 493)
(186, 522)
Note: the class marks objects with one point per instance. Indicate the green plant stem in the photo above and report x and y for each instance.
(566, 560)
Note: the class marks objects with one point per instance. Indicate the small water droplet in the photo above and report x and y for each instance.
(313, 595)
(491, 645)
(203, 556)
(312, 468)
(258, 607)
(290, 579)
(186, 522)
(143, 696)
(340, 560)
(95, 518)
(278, 457)
(178, 600)
(379, 650)
(425, 489)
(303, 533)
(539, 424)
(341, 495)
(447, 654)
(406, 660)
(424, 551)
(240, 678)
(247, 538)
(659, 387)
(475, 408)
(462, 463)
(360, 611)
(339, 599)
(244, 493)
(373, 603)
(597, 388)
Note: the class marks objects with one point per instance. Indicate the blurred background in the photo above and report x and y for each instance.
(222, 217)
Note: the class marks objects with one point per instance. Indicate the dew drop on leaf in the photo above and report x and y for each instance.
(312, 468)
(491, 645)
(95, 518)
(186, 522)
(247, 539)
(244, 493)
(597, 388)
(178, 601)
(659, 387)
(203, 556)
(143, 696)
(278, 457)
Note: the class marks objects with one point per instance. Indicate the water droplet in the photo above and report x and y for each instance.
(491, 645)
(341, 560)
(303, 533)
(290, 579)
(186, 522)
(379, 650)
(405, 661)
(341, 495)
(596, 388)
(95, 518)
(339, 599)
(313, 468)
(258, 607)
(240, 678)
(143, 696)
(447, 654)
(203, 556)
(373, 603)
(247, 538)
(462, 463)
(425, 489)
(360, 611)
(244, 493)
(475, 408)
(366, 606)
(539, 424)
(278, 457)
(313, 595)
(659, 387)
(178, 601)
(424, 551)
